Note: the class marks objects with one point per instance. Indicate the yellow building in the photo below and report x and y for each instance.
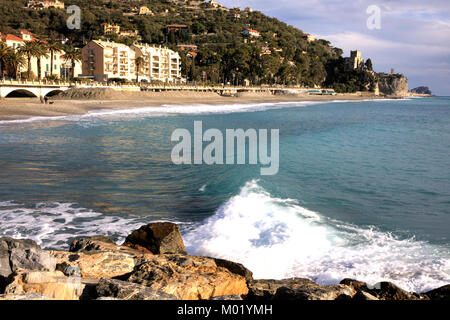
(145, 11)
(103, 60)
(109, 28)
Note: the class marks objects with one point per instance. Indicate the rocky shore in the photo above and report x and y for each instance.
(152, 264)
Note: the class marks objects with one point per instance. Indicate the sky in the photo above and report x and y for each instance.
(410, 36)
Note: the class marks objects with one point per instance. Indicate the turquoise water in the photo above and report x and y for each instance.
(363, 188)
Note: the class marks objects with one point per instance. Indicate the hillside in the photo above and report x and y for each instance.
(280, 55)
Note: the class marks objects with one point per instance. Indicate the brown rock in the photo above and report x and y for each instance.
(355, 284)
(442, 293)
(188, 277)
(158, 238)
(389, 291)
(95, 243)
(94, 264)
(27, 296)
(123, 290)
(265, 289)
(51, 284)
(364, 296)
(297, 289)
(235, 267)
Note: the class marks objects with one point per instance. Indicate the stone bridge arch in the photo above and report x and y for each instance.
(20, 92)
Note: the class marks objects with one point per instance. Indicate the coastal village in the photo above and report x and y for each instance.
(121, 55)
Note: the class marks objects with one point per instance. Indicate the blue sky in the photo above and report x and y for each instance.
(414, 38)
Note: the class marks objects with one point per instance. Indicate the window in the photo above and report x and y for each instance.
(46, 67)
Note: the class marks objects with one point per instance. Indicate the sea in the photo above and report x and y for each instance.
(362, 191)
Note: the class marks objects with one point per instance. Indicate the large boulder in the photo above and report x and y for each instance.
(188, 277)
(94, 264)
(158, 238)
(442, 293)
(235, 267)
(51, 284)
(123, 290)
(297, 289)
(23, 254)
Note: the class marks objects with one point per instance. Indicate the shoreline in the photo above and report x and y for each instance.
(27, 108)
(153, 264)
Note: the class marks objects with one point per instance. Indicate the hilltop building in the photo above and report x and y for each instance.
(215, 4)
(251, 33)
(309, 38)
(104, 60)
(355, 61)
(38, 5)
(177, 27)
(144, 10)
(109, 28)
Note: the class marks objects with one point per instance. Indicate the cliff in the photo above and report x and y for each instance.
(392, 84)
(153, 264)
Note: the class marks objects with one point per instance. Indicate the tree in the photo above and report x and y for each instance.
(4, 52)
(15, 59)
(29, 51)
(53, 46)
(40, 52)
(138, 61)
(369, 65)
(72, 54)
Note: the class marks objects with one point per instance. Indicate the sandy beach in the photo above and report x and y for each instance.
(23, 108)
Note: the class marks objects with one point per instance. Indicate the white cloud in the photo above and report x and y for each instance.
(414, 37)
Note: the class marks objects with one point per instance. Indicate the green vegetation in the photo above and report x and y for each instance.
(280, 55)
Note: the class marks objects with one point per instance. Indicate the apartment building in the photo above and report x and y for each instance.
(103, 60)
(161, 64)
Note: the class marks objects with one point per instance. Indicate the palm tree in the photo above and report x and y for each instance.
(4, 52)
(139, 61)
(16, 59)
(29, 51)
(72, 54)
(41, 52)
(53, 46)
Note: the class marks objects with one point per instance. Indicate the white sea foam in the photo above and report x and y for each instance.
(53, 225)
(167, 110)
(273, 237)
(277, 238)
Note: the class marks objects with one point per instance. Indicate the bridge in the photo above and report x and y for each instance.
(31, 88)
(11, 88)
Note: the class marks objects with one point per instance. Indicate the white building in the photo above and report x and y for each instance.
(161, 64)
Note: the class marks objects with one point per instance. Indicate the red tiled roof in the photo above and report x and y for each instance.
(252, 30)
(26, 32)
(11, 37)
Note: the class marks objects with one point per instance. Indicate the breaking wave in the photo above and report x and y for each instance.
(277, 238)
